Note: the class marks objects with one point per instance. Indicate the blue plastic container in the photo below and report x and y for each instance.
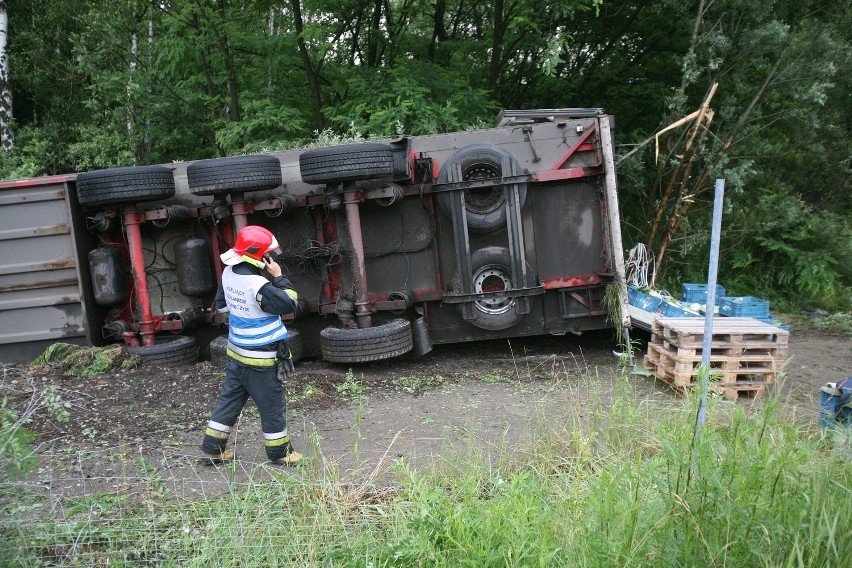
(744, 307)
(638, 298)
(697, 293)
(673, 310)
(772, 320)
(834, 404)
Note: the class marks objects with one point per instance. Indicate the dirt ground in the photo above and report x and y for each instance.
(480, 397)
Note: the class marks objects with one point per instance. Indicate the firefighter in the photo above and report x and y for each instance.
(254, 295)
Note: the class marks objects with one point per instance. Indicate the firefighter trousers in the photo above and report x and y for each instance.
(266, 388)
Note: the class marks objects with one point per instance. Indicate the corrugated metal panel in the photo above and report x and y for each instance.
(40, 292)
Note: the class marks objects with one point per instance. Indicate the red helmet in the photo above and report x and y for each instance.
(253, 243)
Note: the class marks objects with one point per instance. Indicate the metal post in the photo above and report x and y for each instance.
(140, 279)
(359, 268)
(712, 275)
(239, 209)
(614, 242)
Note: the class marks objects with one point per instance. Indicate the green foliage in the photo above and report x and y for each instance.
(86, 361)
(225, 78)
(414, 384)
(789, 249)
(34, 154)
(264, 127)
(351, 386)
(415, 98)
(480, 522)
(839, 323)
(16, 454)
(98, 147)
(614, 306)
(54, 352)
(777, 122)
(618, 481)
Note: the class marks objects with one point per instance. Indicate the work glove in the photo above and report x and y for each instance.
(286, 365)
(285, 361)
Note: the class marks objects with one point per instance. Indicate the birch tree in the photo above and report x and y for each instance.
(7, 136)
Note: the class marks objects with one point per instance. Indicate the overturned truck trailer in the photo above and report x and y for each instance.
(395, 245)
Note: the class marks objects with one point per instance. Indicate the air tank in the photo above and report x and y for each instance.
(194, 270)
(109, 282)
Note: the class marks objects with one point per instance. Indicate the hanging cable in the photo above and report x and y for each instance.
(639, 266)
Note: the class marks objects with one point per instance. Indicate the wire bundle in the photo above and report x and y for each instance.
(640, 263)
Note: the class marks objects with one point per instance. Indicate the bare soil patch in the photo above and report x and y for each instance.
(484, 397)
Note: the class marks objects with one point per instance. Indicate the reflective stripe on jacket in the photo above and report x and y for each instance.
(249, 326)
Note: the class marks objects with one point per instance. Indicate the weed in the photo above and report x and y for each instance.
(308, 392)
(16, 455)
(90, 433)
(619, 481)
(356, 427)
(492, 378)
(413, 384)
(86, 361)
(839, 323)
(351, 386)
(614, 304)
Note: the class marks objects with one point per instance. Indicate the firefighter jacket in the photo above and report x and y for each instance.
(254, 305)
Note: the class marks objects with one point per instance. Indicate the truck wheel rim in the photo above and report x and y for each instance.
(492, 279)
(485, 199)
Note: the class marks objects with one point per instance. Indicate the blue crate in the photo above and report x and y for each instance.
(744, 307)
(835, 406)
(674, 309)
(772, 320)
(642, 300)
(697, 293)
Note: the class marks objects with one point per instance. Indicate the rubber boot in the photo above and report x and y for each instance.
(215, 459)
(291, 459)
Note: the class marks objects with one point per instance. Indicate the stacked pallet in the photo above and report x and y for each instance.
(745, 354)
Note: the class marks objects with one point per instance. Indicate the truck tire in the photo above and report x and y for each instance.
(168, 351)
(218, 351)
(492, 273)
(485, 207)
(219, 347)
(369, 344)
(350, 162)
(235, 174)
(124, 185)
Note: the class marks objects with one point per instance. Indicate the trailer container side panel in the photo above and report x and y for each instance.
(41, 297)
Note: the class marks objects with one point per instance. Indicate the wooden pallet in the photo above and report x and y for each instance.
(727, 332)
(745, 354)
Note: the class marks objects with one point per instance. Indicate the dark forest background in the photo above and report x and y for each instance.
(765, 85)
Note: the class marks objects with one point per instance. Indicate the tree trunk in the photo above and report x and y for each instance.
(313, 84)
(373, 43)
(7, 136)
(496, 48)
(439, 32)
(134, 60)
(150, 60)
(230, 68)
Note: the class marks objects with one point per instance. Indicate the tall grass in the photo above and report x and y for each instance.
(621, 482)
